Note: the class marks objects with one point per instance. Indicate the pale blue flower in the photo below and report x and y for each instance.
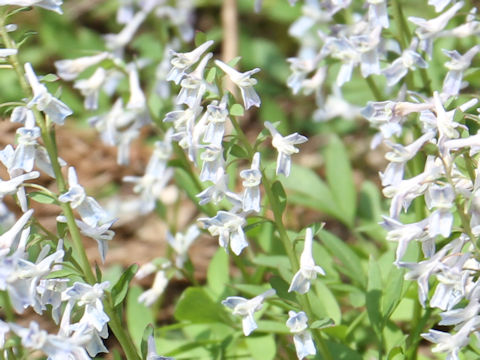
(228, 227)
(244, 82)
(285, 147)
(408, 60)
(56, 110)
(53, 5)
(180, 243)
(308, 270)
(90, 297)
(252, 178)
(215, 117)
(218, 191)
(193, 85)
(451, 344)
(88, 208)
(246, 308)
(8, 238)
(213, 161)
(90, 88)
(117, 42)
(428, 30)
(181, 62)
(152, 350)
(7, 52)
(457, 66)
(302, 338)
(69, 69)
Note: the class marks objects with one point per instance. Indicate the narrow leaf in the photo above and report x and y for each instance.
(120, 289)
(340, 178)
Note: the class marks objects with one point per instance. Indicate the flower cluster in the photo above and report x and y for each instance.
(444, 181)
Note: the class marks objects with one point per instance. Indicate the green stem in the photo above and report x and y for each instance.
(405, 36)
(304, 301)
(374, 89)
(119, 329)
(464, 218)
(7, 306)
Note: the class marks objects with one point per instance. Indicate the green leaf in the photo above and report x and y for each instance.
(261, 347)
(393, 293)
(374, 296)
(342, 352)
(392, 354)
(269, 326)
(64, 273)
(234, 61)
(279, 193)
(369, 204)
(281, 287)
(49, 78)
(272, 261)
(237, 110)
(120, 289)
(138, 315)
(351, 264)
(311, 191)
(322, 323)
(340, 178)
(200, 38)
(196, 306)
(238, 151)
(42, 198)
(18, 10)
(144, 344)
(330, 304)
(218, 272)
(211, 74)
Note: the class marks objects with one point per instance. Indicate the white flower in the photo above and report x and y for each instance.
(181, 62)
(246, 308)
(427, 30)
(69, 69)
(244, 82)
(377, 13)
(53, 5)
(56, 110)
(213, 161)
(90, 88)
(228, 227)
(9, 237)
(56, 347)
(285, 147)
(90, 296)
(308, 270)
(88, 208)
(137, 98)
(7, 52)
(181, 243)
(100, 233)
(404, 233)
(194, 85)
(116, 42)
(456, 66)
(218, 191)
(252, 178)
(215, 118)
(152, 350)
(408, 60)
(298, 324)
(451, 344)
(160, 283)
